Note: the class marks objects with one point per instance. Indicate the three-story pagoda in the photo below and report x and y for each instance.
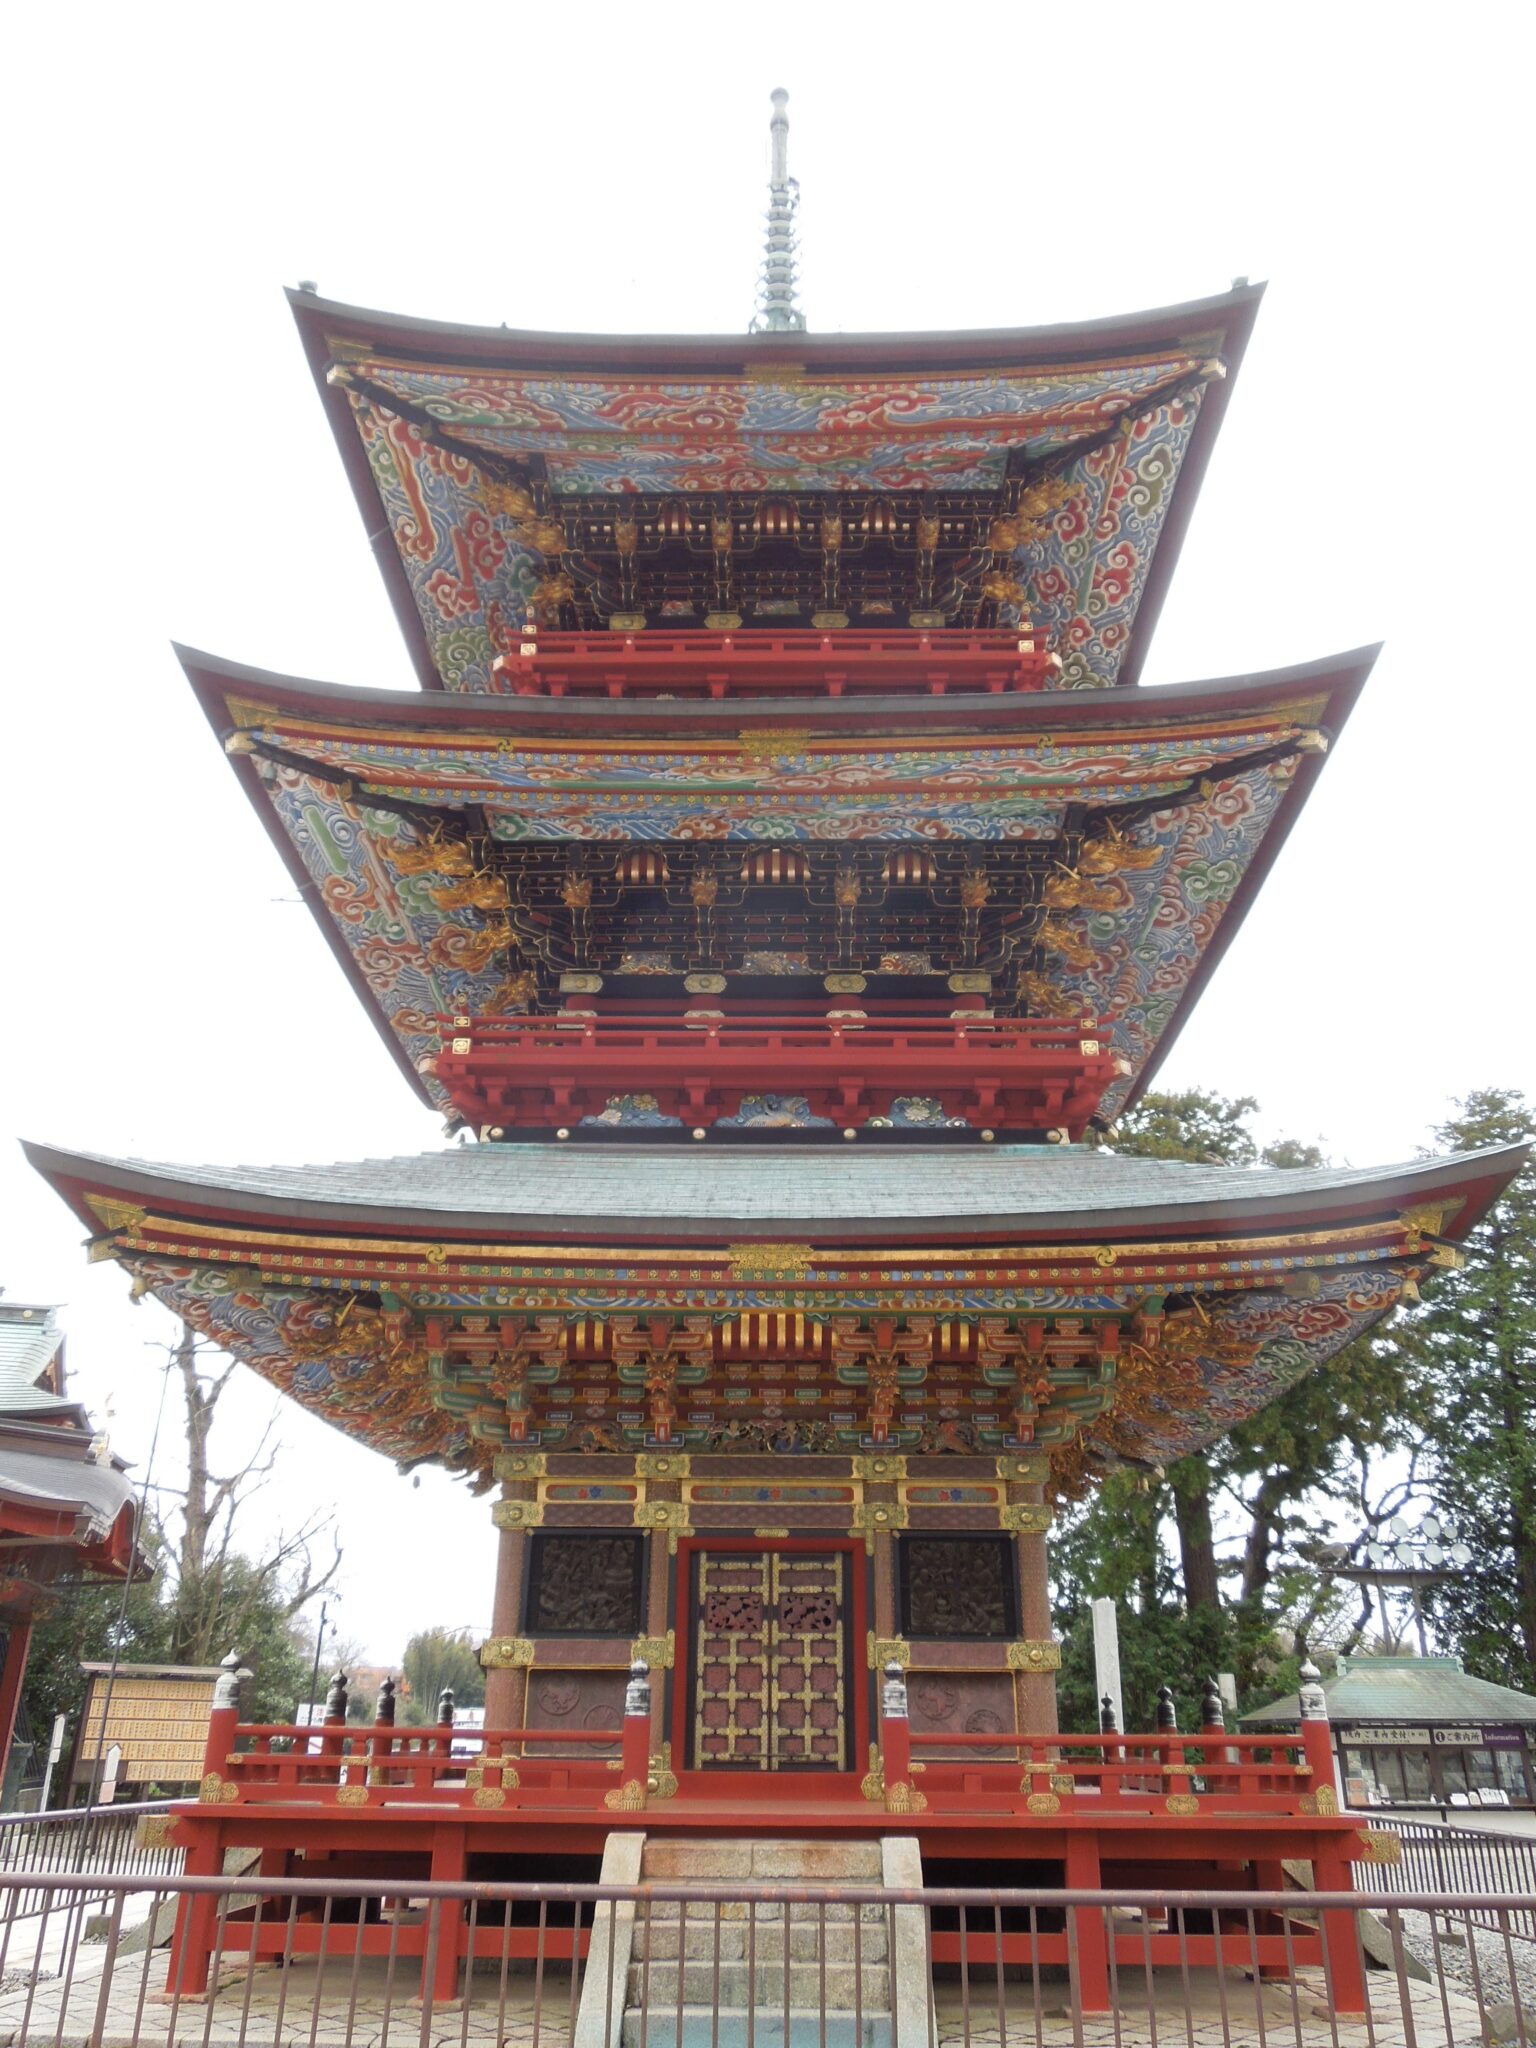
(782, 877)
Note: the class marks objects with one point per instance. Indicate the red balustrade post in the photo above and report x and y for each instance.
(333, 1739)
(1330, 1867)
(197, 1915)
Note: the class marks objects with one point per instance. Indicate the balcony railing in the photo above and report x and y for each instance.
(757, 663)
(530, 1072)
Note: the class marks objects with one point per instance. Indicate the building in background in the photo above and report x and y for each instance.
(1417, 1731)
(66, 1507)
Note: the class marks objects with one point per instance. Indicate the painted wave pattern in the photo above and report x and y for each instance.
(472, 579)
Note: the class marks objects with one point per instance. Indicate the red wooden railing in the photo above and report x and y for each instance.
(1015, 1074)
(754, 662)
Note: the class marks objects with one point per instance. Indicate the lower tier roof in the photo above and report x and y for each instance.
(893, 1192)
(481, 1302)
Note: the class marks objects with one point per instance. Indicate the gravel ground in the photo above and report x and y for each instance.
(1480, 1961)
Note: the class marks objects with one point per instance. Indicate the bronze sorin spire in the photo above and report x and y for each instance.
(777, 312)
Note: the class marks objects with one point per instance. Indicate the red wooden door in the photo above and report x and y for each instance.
(768, 1676)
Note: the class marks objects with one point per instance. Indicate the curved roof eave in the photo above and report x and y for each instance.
(1341, 677)
(1233, 312)
(690, 1194)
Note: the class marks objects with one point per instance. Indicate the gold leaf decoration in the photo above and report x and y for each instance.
(626, 1798)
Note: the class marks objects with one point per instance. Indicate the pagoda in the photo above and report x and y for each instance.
(779, 883)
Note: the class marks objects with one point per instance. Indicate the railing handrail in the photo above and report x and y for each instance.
(1000, 1032)
(127, 1807)
(1039, 1898)
(744, 642)
(376, 1731)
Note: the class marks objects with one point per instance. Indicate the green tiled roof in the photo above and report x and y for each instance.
(1411, 1689)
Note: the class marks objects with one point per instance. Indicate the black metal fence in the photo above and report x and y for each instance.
(352, 1964)
(110, 1839)
(1445, 1859)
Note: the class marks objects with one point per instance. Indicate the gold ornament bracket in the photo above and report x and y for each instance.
(663, 1465)
(1380, 1845)
(1025, 1518)
(885, 1650)
(517, 1514)
(659, 1652)
(880, 1465)
(519, 1465)
(1034, 1656)
(506, 1653)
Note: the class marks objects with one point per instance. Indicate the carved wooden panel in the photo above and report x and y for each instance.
(587, 1585)
(961, 1703)
(585, 1702)
(958, 1586)
(769, 1661)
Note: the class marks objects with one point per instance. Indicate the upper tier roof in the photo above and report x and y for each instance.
(1184, 795)
(491, 466)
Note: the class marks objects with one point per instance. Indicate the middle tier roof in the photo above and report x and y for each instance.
(1063, 854)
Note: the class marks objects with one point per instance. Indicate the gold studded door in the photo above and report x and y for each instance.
(769, 1661)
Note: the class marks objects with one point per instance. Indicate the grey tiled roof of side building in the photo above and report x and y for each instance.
(781, 1186)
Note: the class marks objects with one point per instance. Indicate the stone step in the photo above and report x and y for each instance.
(691, 1859)
(731, 1985)
(841, 1941)
(703, 2026)
(704, 1912)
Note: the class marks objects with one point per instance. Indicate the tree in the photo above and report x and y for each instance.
(437, 1658)
(84, 1623)
(220, 1598)
(1255, 1489)
(1473, 1344)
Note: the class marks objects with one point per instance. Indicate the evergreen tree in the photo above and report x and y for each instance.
(1472, 1345)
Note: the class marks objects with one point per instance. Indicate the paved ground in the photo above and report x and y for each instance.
(298, 2009)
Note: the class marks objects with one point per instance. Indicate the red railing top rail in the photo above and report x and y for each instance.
(743, 643)
(1044, 1035)
(1177, 1738)
(367, 1731)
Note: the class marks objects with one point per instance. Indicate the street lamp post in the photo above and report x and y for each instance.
(314, 1676)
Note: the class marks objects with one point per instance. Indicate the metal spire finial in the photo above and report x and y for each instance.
(777, 312)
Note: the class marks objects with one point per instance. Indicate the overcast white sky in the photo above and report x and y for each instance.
(171, 474)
